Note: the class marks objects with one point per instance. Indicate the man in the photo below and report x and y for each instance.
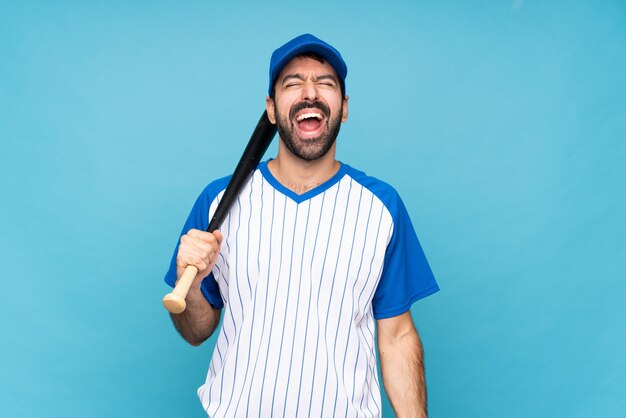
(312, 256)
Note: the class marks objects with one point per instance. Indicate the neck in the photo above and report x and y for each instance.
(300, 175)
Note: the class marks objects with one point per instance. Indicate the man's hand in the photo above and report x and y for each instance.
(200, 249)
(402, 367)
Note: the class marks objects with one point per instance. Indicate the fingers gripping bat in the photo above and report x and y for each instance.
(258, 144)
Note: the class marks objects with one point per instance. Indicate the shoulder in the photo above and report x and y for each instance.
(213, 189)
(383, 191)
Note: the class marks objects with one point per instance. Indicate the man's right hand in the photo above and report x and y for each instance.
(200, 249)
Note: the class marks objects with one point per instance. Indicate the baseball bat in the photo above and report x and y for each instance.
(258, 144)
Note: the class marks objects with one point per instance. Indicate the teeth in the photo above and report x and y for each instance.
(304, 116)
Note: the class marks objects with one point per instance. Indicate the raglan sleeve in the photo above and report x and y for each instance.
(198, 219)
(406, 276)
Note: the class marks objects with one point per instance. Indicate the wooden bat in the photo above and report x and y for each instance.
(258, 144)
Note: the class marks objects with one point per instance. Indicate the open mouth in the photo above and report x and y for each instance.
(310, 121)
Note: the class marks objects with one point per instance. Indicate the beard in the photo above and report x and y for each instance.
(309, 149)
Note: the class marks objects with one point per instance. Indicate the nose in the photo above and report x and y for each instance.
(309, 91)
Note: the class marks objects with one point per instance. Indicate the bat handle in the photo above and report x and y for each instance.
(175, 301)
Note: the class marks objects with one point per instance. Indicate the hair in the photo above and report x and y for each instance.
(313, 56)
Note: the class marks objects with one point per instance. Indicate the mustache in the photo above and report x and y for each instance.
(309, 105)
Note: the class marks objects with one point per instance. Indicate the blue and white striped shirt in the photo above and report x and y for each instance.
(301, 280)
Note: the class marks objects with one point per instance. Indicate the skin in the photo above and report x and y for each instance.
(302, 83)
(402, 365)
(200, 319)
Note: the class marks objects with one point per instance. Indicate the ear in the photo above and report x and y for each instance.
(344, 113)
(270, 107)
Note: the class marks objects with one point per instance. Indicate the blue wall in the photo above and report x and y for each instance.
(501, 123)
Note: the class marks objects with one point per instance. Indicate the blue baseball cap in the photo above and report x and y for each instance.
(304, 44)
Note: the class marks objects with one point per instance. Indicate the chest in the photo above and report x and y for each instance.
(331, 244)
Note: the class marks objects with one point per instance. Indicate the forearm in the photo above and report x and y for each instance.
(198, 321)
(401, 360)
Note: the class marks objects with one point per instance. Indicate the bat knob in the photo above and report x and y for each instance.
(174, 303)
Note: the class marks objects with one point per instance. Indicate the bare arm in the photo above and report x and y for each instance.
(402, 367)
(200, 319)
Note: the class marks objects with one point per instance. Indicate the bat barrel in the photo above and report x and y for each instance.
(250, 159)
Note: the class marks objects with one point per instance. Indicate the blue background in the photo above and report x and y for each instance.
(501, 123)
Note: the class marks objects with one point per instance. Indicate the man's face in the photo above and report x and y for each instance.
(308, 107)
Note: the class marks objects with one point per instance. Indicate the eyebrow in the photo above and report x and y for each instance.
(301, 77)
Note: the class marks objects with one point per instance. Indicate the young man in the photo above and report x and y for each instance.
(311, 258)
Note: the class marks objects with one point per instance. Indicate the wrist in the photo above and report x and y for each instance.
(196, 289)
